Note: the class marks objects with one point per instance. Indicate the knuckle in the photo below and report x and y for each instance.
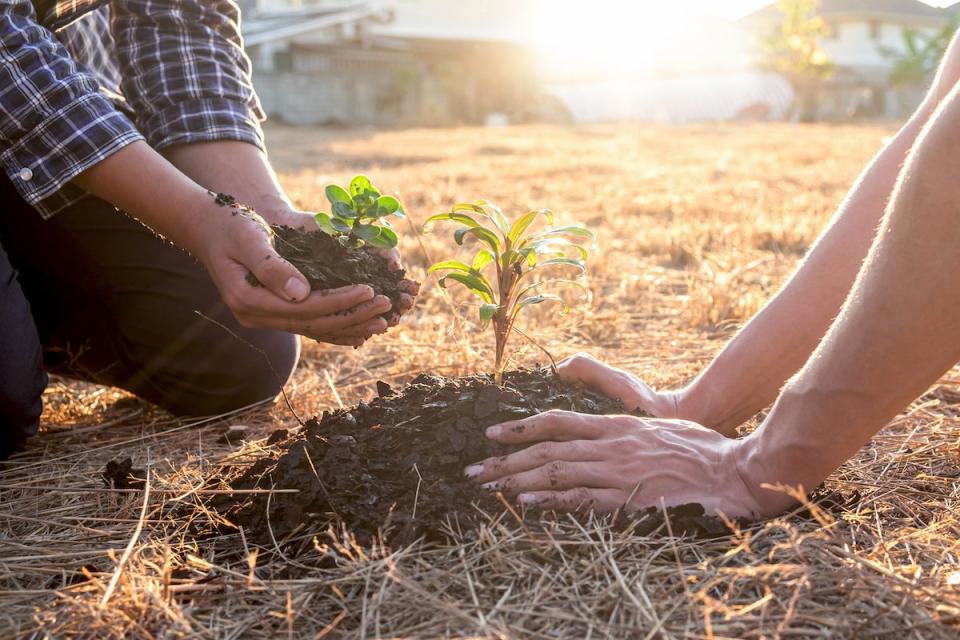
(544, 451)
(582, 498)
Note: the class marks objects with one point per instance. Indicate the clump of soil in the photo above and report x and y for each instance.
(397, 462)
(120, 474)
(328, 265)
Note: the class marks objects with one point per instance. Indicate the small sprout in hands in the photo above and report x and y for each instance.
(524, 263)
(359, 216)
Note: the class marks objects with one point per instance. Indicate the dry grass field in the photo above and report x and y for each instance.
(697, 227)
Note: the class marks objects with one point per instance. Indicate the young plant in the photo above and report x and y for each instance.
(522, 264)
(359, 216)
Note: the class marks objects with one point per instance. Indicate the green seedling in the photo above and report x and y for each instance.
(359, 216)
(522, 264)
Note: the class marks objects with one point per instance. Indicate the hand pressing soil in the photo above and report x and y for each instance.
(329, 265)
(397, 463)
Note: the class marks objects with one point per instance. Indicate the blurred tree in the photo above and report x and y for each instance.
(915, 64)
(795, 52)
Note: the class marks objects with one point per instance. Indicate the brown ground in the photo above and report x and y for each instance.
(698, 225)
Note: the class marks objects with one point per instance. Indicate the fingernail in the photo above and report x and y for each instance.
(296, 288)
(494, 431)
(473, 470)
(490, 486)
(527, 498)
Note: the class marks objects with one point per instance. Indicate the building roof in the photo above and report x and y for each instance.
(891, 9)
(269, 26)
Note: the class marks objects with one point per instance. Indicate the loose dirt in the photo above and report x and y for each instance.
(396, 463)
(328, 265)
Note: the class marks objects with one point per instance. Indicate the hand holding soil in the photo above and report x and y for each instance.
(233, 242)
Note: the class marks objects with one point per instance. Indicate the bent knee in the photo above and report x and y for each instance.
(246, 376)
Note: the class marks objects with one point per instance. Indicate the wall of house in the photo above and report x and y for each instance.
(861, 43)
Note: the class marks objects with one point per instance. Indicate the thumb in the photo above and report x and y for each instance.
(279, 276)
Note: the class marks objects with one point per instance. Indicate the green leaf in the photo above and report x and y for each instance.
(487, 311)
(360, 185)
(572, 230)
(482, 259)
(493, 212)
(520, 226)
(450, 217)
(323, 221)
(538, 299)
(555, 246)
(336, 193)
(388, 205)
(367, 232)
(344, 210)
(568, 262)
(453, 265)
(386, 240)
(550, 284)
(482, 233)
(476, 284)
(340, 226)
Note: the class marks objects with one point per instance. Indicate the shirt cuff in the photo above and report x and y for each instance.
(207, 120)
(67, 142)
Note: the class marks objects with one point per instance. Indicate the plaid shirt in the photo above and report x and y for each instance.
(81, 79)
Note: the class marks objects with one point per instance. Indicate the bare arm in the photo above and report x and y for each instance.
(749, 372)
(898, 332)
(231, 243)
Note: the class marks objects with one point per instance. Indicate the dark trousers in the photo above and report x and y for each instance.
(92, 294)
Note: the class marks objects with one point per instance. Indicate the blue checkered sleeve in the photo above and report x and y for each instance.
(184, 71)
(54, 123)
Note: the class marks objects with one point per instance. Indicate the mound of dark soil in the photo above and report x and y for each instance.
(328, 265)
(397, 462)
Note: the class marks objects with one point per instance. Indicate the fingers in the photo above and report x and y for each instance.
(610, 381)
(409, 287)
(553, 476)
(578, 499)
(362, 320)
(356, 343)
(275, 274)
(533, 457)
(554, 425)
(392, 256)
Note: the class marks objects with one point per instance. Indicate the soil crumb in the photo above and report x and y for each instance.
(329, 265)
(120, 474)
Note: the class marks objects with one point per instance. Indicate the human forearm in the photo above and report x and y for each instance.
(898, 332)
(237, 168)
(747, 375)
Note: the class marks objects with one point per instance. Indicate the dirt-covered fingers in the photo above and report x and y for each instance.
(356, 343)
(579, 499)
(535, 456)
(558, 475)
(554, 425)
(409, 287)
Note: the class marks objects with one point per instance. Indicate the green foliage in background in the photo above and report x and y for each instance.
(916, 64)
(795, 52)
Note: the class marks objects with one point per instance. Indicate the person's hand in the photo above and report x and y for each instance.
(612, 462)
(233, 241)
(620, 385)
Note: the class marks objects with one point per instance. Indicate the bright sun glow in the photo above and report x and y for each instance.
(615, 37)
